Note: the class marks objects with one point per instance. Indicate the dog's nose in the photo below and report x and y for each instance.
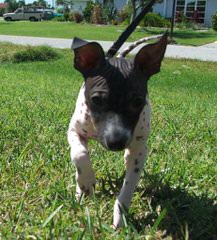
(116, 141)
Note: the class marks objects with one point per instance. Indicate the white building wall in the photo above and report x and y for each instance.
(169, 8)
(159, 8)
(119, 4)
(78, 6)
(211, 8)
(164, 8)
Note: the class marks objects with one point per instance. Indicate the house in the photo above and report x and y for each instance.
(3, 5)
(200, 11)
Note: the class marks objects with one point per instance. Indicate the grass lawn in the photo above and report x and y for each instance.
(176, 197)
(99, 32)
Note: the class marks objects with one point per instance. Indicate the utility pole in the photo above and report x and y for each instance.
(172, 19)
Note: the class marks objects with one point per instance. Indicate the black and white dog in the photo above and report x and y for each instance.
(113, 108)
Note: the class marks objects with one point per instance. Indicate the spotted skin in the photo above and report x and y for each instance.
(81, 129)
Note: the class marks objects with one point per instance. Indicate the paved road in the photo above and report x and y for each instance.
(204, 53)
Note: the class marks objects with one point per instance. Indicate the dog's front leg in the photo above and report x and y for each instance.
(134, 158)
(85, 176)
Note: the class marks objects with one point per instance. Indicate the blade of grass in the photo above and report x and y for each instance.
(51, 216)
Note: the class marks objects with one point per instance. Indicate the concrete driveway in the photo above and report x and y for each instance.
(204, 53)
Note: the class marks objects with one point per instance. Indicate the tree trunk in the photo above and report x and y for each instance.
(133, 2)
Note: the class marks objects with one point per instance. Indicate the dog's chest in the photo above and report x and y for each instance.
(82, 124)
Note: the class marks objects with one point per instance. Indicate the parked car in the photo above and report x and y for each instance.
(31, 14)
(47, 14)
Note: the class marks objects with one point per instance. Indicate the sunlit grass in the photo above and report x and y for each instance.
(176, 196)
(99, 32)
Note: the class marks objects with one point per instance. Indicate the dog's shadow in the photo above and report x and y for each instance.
(187, 216)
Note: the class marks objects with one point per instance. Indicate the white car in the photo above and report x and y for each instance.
(24, 14)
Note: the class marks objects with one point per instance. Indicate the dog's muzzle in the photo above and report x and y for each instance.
(116, 136)
(117, 141)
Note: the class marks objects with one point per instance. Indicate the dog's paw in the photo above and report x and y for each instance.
(117, 215)
(85, 184)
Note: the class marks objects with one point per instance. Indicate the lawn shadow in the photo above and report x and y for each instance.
(197, 213)
(185, 213)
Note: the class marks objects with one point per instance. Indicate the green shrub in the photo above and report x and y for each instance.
(77, 17)
(87, 13)
(180, 17)
(58, 19)
(71, 17)
(66, 16)
(214, 21)
(114, 22)
(124, 15)
(2, 11)
(155, 20)
(110, 14)
(126, 22)
(42, 53)
(97, 16)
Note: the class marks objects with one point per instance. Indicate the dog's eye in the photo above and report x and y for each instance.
(97, 100)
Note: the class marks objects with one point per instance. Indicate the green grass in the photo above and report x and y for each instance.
(176, 196)
(10, 53)
(99, 32)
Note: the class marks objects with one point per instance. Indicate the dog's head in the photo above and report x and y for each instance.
(116, 88)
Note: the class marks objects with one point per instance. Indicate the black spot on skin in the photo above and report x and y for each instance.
(136, 170)
(136, 161)
(79, 171)
(85, 131)
(126, 182)
(140, 154)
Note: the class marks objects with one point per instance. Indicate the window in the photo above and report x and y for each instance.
(194, 10)
(19, 10)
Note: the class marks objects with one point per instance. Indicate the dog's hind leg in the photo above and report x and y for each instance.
(85, 176)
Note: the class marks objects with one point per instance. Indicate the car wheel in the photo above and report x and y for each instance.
(8, 19)
(32, 19)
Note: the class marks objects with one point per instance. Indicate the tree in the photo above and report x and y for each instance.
(40, 3)
(21, 3)
(137, 5)
(12, 5)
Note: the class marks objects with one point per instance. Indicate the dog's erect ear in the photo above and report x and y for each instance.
(149, 58)
(88, 55)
